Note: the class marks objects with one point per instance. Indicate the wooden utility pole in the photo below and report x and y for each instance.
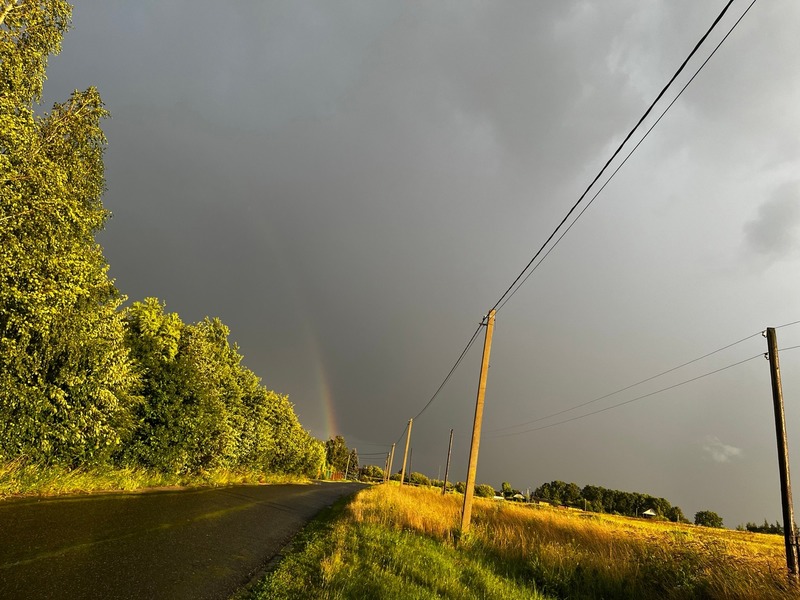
(447, 468)
(391, 460)
(783, 455)
(347, 468)
(466, 513)
(405, 454)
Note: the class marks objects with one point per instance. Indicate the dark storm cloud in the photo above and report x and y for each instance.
(350, 186)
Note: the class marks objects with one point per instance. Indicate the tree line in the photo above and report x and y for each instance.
(84, 380)
(599, 499)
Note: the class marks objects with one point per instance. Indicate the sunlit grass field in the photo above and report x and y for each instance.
(391, 542)
(19, 478)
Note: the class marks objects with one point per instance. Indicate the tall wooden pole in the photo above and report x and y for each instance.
(447, 468)
(466, 513)
(391, 460)
(783, 455)
(405, 454)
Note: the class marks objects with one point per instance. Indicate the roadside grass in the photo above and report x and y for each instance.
(391, 542)
(338, 556)
(20, 478)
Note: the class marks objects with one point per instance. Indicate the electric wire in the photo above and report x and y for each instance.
(626, 388)
(520, 280)
(671, 387)
(446, 379)
(511, 290)
(787, 324)
(616, 170)
(450, 374)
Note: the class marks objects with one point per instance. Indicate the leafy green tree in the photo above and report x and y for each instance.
(484, 490)
(201, 409)
(65, 377)
(707, 518)
(507, 489)
(675, 514)
(460, 487)
(370, 473)
(593, 494)
(777, 528)
(336, 453)
(419, 479)
(183, 422)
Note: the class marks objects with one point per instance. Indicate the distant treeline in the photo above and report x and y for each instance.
(599, 499)
(84, 381)
(777, 528)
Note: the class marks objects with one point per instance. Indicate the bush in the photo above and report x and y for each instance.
(370, 473)
(484, 490)
(419, 479)
(708, 518)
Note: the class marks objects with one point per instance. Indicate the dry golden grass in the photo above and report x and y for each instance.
(577, 554)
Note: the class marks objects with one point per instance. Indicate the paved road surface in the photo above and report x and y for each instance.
(173, 544)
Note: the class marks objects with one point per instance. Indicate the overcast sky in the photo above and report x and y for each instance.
(350, 186)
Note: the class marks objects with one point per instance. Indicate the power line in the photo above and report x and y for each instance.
(619, 391)
(450, 374)
(522, 277)
(622, 163)
(446, 379)
(631, 400)
(617, 151)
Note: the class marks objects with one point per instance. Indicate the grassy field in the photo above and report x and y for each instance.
(389, 542)
(18, 478)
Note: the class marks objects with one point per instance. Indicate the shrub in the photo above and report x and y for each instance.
(484, 490)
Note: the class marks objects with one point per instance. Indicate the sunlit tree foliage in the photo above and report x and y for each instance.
(82, 381)
(64, 373)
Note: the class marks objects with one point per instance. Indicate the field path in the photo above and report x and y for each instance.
(201, 543)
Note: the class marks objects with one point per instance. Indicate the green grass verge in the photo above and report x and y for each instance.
(18, 478)
(336, 557)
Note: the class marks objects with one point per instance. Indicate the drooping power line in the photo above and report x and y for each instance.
(526, 271)
(511, 290)
(671, 387)
(627, 387)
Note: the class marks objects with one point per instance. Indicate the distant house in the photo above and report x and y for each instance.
(518, 498)
(649, 513)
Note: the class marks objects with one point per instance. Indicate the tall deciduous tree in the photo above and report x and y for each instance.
(336, 453)
(201, 408)
(64, 371)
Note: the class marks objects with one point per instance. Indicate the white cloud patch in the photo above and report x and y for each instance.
(720, 452)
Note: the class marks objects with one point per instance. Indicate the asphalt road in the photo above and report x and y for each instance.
(194, 544)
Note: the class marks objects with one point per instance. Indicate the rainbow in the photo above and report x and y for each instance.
(330, 426)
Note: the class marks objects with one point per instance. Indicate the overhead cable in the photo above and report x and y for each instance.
(510, 289)
(626, 388)
(671, 387)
